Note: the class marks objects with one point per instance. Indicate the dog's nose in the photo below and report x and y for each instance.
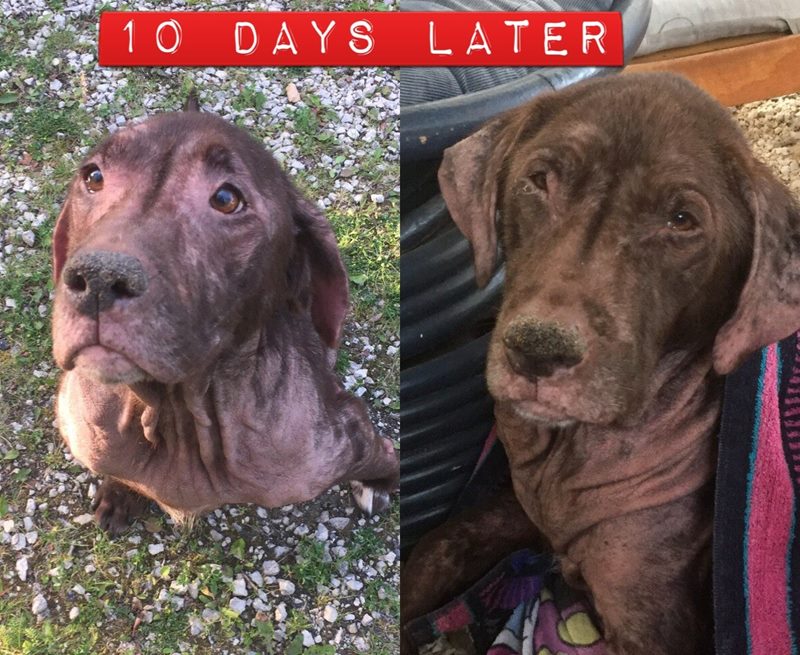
(96, 280)
(537, 348)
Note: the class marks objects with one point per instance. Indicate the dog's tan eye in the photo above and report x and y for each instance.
(227, 199)
(539, 180)
(682, 221)
(533, 182)
(93, 179)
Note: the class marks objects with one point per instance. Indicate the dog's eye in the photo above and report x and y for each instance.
(536, 181)
(539, 180)
(227, 199)
(682, 221)
(92, 178)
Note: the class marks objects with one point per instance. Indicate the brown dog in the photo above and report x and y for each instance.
(647, 253)
(198, 308)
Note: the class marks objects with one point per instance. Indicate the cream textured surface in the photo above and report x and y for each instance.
(676, 23)
(773, 128)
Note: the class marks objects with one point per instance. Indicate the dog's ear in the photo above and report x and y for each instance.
(317, 277)
(61, 240)
(192, 102)
(468, 182)
(470, 173)
(769, 305)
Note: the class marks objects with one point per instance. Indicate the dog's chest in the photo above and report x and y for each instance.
(183, 462)
(572, 480)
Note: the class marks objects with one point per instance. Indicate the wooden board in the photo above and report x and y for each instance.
(735, 74)
(707, 46)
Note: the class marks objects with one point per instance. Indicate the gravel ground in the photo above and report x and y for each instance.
(313, 578)
(773, 128)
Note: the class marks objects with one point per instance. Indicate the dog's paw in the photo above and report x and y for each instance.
(116, 506)
(370, 500)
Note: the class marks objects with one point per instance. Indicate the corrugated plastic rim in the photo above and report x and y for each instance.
(428, 128)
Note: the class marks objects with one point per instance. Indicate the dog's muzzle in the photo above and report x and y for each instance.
(536, 348)
(95, 280)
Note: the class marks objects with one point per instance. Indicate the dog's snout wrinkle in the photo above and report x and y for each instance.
(96, 280)
(537, 348)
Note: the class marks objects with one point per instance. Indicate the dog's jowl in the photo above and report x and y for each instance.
(198, 308)
(647, 253)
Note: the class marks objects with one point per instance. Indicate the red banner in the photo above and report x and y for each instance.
(218, 38)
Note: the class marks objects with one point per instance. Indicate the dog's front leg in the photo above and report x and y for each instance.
(373, 469)
(449, 559)
(116, 506)
(650, 579)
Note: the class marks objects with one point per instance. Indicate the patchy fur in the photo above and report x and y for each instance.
(634, 217)
(198, 345)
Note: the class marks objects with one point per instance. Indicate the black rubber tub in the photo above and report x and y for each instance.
(446, 413)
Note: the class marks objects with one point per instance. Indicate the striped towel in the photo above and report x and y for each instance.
(756, 552)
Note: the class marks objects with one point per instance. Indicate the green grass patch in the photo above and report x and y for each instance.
(47, 132)
(369, 240)
(118, 580)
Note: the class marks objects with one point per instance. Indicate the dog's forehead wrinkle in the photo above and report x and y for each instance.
(216, 157)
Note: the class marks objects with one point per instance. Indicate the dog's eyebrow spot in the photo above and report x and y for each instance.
(127, 145)
(110, 150)
(577, 137)
(218, 158)
(585, 131)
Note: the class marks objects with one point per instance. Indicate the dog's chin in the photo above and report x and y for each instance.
(556, 403)
(542, 415)
(107, 366)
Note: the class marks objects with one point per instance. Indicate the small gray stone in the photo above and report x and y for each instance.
(271, 567)
(339, 522)
(22, 568)
(355, 585)
(237, 605)
(39, 605)
(239, 587)
(209, 615)
(195, 625)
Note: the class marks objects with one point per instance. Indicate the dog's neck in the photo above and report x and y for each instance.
(592, 473)
(257, 372)
(264, 348)
(212, 430)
